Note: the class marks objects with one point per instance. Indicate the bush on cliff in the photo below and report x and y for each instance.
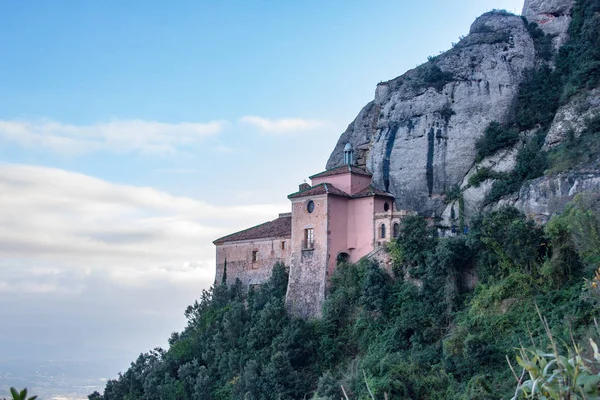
(496, 137)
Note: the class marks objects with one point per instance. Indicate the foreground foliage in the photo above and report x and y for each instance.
(432, 336)
(22, 395)
(552, 375)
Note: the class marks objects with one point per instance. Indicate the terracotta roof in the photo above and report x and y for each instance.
(280, 227)
(342, 169)
(321, 188)
(371, 191)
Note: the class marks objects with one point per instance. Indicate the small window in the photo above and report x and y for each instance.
(382, 233)
(282, 245)
(396, 230)
(386, 206)
(310, 207)
(255, 256)
(309, 238)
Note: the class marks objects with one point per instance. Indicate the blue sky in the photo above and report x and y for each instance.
(133, 133)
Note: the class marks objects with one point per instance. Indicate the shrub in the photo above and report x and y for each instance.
(579, 59)
(447, 112)
(496, 136)
(541, 41)
(574, 152)
(561, 373)
(416, 241)
(482, 175)
(531, 163)
(432, 76)
(452, 194)
(538, 98)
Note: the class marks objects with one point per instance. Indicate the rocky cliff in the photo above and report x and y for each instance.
(418, 135)
(552, 16)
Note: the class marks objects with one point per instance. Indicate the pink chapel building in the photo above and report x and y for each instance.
(340, 217)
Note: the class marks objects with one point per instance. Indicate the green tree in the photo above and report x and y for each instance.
(416, 241)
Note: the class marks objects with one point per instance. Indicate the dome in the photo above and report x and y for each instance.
(348, 147)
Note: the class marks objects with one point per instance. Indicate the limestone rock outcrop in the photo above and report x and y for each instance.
(572, 117)
(548, 195)
(474, 196)
(418, 135)
(552, 16)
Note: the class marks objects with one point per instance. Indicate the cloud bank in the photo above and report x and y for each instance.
(126, 136)
(139, 136)
(282, 126)
(68, 221)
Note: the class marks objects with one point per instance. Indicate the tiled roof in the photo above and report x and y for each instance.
(371, 191)
(280, 227)
(322, 188)
(342, 169)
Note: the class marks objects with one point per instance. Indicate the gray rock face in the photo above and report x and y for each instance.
(474, 197)
(572, 117)
(553, 17)
(543, 197)
(418, 135)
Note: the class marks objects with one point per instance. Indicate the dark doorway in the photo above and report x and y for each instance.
(343, 258)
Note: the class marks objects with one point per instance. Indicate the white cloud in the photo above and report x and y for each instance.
(223, 149)
(125, 136)
(57, 221)
(283, 125)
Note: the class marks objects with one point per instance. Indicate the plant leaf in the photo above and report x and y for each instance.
(589, 382)
(595, 347)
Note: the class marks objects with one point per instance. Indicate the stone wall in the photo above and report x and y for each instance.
(239, 259)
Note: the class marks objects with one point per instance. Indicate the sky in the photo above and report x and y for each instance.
(134, 133)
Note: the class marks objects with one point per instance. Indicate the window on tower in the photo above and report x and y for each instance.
(396, 230)
(309, 239)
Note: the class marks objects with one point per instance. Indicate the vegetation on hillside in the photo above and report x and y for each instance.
(433, 336)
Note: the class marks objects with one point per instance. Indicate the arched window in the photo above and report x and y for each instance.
(396, 230)
(382, 232)
(343, 258)
(386, 207)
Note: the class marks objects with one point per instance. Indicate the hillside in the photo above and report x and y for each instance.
(500, 133)
(428, 337)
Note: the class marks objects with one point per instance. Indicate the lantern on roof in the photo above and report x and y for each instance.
(348, 154)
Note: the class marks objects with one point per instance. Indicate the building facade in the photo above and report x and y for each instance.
(340, 217)
(249, 255)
